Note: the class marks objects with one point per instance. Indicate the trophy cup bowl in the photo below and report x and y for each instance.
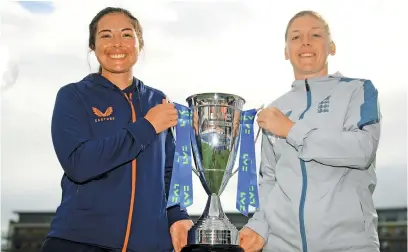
(215, 138)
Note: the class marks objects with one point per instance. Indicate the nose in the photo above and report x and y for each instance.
(305, 41)
(117, 41)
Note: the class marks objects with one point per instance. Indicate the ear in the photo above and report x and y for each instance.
(286, 53)
(332, 48)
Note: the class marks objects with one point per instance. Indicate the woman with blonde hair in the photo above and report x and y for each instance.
(319, 145)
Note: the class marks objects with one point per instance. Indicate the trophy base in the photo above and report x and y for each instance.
(212, 248)
(213, 227)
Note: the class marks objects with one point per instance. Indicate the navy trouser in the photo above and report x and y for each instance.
(52, 244)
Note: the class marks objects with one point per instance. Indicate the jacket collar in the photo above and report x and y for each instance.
(98, 79)
(316, 81)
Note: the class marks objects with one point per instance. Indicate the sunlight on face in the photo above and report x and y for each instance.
(308, 46)
(116, 43)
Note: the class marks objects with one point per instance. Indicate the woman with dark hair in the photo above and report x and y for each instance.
(111, 134)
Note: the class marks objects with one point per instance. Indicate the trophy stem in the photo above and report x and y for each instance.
(213, 208)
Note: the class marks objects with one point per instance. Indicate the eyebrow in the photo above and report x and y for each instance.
(313, 28)
(107, 30)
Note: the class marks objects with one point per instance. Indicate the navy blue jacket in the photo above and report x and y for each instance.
(95, 140)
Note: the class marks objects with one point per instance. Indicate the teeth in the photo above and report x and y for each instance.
(117, 56)
(306, 54)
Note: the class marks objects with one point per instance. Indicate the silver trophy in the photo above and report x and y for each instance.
(216, 126)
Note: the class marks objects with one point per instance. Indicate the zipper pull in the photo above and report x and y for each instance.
(307, 86)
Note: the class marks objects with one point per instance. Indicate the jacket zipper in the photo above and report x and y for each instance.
(132, 197)
(304, 178)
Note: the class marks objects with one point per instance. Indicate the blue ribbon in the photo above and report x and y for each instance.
(247, 188)
(181, 186)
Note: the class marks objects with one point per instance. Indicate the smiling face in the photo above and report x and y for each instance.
(308, 45)
(116, 43)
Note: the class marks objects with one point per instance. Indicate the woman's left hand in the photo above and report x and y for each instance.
(178, 232)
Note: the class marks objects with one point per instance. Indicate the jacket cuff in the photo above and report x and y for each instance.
(175, 213)
(142, 131)
(298, 133)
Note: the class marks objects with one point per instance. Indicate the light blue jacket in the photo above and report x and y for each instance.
(316, 185)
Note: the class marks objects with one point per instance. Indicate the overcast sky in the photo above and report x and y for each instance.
(191, 47)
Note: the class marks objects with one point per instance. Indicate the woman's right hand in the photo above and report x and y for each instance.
(250, 241)
(162, 116)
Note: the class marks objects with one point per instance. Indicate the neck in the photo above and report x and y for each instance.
(305, 75)
(121, 80)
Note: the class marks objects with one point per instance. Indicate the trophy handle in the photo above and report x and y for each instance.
(259, 128)
(195, 171)
(233, 173)
(173, 132)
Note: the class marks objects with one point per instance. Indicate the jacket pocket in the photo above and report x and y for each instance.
(281, 218)
(83, 201)
(367, 207)
(91, 195)
(346, 212)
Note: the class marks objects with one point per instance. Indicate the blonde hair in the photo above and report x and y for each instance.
(308, 13)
